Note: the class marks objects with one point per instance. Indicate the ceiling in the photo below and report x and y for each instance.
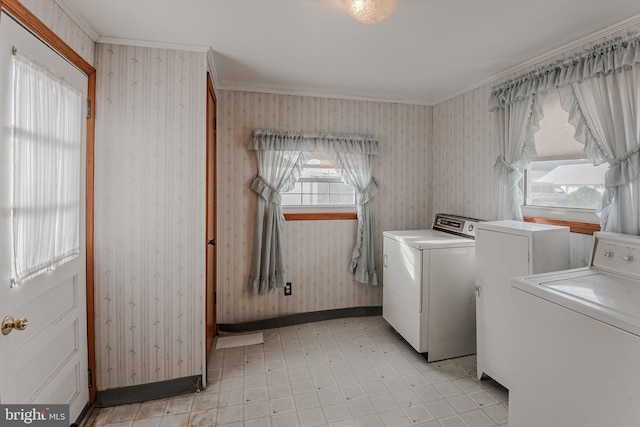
(426, 52)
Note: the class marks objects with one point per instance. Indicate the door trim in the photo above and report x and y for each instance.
(21, 14)
(212, 221)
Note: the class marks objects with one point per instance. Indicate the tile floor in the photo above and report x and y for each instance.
(343, 372)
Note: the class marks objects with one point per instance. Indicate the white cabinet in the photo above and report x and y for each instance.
(505, 249)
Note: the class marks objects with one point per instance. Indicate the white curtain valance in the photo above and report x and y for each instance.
(610, 57)
(328, 143)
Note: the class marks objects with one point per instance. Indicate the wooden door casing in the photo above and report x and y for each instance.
(211, 285)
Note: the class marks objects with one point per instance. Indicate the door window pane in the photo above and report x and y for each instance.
(46, 143)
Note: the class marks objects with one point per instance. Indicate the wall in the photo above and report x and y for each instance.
(317, 252)
(54, 17)
(464, 152)
(150, 214)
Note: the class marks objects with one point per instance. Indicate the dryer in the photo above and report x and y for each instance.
(429, 286)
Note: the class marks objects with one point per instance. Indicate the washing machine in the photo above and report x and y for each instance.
(429, 286)
(575, 341)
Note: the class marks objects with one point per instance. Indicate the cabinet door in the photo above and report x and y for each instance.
(402, 272)
(499, 257)
(452, 302)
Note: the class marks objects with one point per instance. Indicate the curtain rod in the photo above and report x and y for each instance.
(263, 132)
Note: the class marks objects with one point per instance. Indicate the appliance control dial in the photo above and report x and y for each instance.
(627, 258)
(608, 254)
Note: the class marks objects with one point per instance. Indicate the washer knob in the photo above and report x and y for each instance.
(627, 258)
(608, 254)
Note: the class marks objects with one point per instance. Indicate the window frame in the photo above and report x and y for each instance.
(59, 241)
(579, 220)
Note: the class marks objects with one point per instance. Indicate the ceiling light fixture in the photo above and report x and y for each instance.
(371, 11)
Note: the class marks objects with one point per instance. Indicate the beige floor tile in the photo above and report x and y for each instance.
(124, 413)
(340, 372)
(153, 408)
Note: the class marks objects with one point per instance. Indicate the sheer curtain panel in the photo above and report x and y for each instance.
(356, 170)
(281, 157)
(278, 171)
(515, 125)
(46, 146)
(605, 111)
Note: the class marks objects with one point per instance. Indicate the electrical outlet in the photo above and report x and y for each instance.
(287, 289)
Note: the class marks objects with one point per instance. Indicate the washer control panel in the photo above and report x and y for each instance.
(617, 253)
(460, 225)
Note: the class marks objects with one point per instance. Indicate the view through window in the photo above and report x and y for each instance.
(561, 175)
(320, 185)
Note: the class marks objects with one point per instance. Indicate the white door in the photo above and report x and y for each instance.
(46, 363)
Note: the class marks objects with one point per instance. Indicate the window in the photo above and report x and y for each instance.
(319, 186)
(561, 176)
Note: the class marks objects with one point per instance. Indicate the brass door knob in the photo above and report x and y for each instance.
(9, 324)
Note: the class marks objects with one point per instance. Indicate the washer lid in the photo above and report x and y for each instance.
(610, 298)
(429, 239)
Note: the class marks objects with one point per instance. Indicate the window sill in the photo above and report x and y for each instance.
(574, 226)
(578, 220)
(320, 213)
(320, 216)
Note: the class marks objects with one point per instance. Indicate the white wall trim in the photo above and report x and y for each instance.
(606, 32)
(82, 23)
(153, 45)
(211, 67)
(332, 95)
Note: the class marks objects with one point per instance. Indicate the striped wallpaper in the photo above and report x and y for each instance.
(464, 153)
(317, 252)
(54, 17)
(149, 214)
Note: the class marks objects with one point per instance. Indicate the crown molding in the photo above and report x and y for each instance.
(211, 67)
(152, 44)
(120, 41)
(78, 19)
(321, 94)
(553, 54)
